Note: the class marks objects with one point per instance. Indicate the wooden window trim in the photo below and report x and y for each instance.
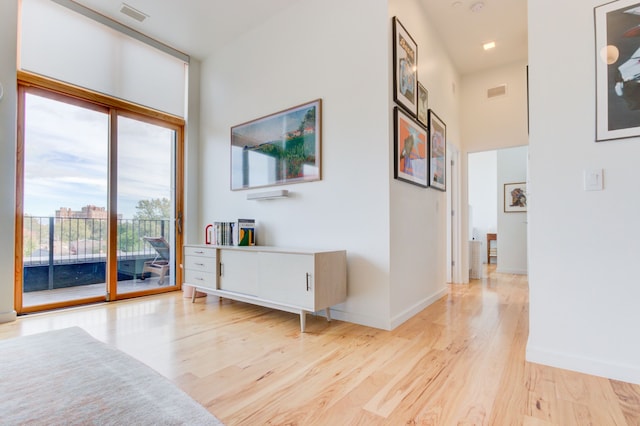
(29, 79)
(34, 83)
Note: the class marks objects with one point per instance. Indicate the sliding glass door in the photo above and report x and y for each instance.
(146, 205)
(99, 202)
(65, 197)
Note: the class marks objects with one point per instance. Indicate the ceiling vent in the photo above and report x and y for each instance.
(496, 92)
(133, 13)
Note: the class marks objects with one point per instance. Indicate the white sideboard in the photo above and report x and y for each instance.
(297, 281)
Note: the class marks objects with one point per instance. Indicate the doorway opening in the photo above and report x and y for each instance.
(497, 227)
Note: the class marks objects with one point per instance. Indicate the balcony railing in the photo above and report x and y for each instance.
(62, 245)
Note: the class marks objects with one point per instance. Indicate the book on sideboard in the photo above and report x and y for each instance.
(246, 232)
(239, 233)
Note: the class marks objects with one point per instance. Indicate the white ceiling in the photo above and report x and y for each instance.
(199, 27)
(464, 32)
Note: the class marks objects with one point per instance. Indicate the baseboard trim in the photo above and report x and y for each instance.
(8, 316)
(625, 373)
(359, 319)
(413, 310)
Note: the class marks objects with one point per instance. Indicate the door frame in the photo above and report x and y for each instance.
(454, 254)
(28, 81)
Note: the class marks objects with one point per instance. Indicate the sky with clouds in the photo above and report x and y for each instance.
(66, 159)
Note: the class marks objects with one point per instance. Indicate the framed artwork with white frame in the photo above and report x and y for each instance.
(515, 197)
(437, 152)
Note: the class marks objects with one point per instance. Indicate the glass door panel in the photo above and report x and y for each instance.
(146, 234)
(64, 236)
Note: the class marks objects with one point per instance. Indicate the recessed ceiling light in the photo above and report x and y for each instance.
(133, 13)
(477, 7)
(490, 45)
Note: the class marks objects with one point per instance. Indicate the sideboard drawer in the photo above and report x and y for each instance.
(204, 264)
(199, 251)
(201, 279)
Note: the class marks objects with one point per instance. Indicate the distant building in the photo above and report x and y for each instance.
(87, 212)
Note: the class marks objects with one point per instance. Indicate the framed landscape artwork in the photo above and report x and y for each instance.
(410, 146)
(277, 149)
(437, 152)
(617, 28)
(405, 68)
(515, 197)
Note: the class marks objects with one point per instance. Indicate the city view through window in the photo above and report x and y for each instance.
(66, 193)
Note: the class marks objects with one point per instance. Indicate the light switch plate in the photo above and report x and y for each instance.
(593, 180)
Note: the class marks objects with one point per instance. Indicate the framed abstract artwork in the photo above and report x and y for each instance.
(617, 28)
(277, 149)
(410, 147)
(405, 69)
(437, 152)
(515, 197)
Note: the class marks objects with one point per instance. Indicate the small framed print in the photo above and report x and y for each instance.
(410, 146)
(437, 152)
(515, 197)
(423, 104)
(405, 69)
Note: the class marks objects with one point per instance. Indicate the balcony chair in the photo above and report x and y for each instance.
(160, 264)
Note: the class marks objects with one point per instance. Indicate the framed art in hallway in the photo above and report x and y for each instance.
(437, 152)
(515, 197)
(405, 68)
(410, 147)
(617, 28)
(423, 104)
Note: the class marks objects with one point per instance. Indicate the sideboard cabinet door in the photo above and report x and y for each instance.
(287, 278)
(239, 271)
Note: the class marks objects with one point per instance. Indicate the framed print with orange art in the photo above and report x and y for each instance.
(410, 146)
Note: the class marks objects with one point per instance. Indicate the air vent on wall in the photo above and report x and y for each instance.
(133, 13)
(497, 91)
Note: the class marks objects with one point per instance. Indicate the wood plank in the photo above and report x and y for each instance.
(460, 361)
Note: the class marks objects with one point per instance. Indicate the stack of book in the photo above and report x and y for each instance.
(240, 233)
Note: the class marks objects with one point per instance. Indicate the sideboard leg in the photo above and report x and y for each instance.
(328, 314)
(193, 296)
(303, 321)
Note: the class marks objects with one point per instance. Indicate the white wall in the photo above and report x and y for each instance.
(512, 227)
(8, 42)
(483, 196)
(497, 122)
(584, 246)
(332, 50)
(394, 233)
(418, 215)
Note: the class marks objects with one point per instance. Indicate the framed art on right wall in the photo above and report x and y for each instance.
(617, 27)
(437, 152)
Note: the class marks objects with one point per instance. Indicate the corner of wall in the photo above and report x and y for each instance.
(8, 108)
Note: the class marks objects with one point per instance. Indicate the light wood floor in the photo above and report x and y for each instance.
(459, 362)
